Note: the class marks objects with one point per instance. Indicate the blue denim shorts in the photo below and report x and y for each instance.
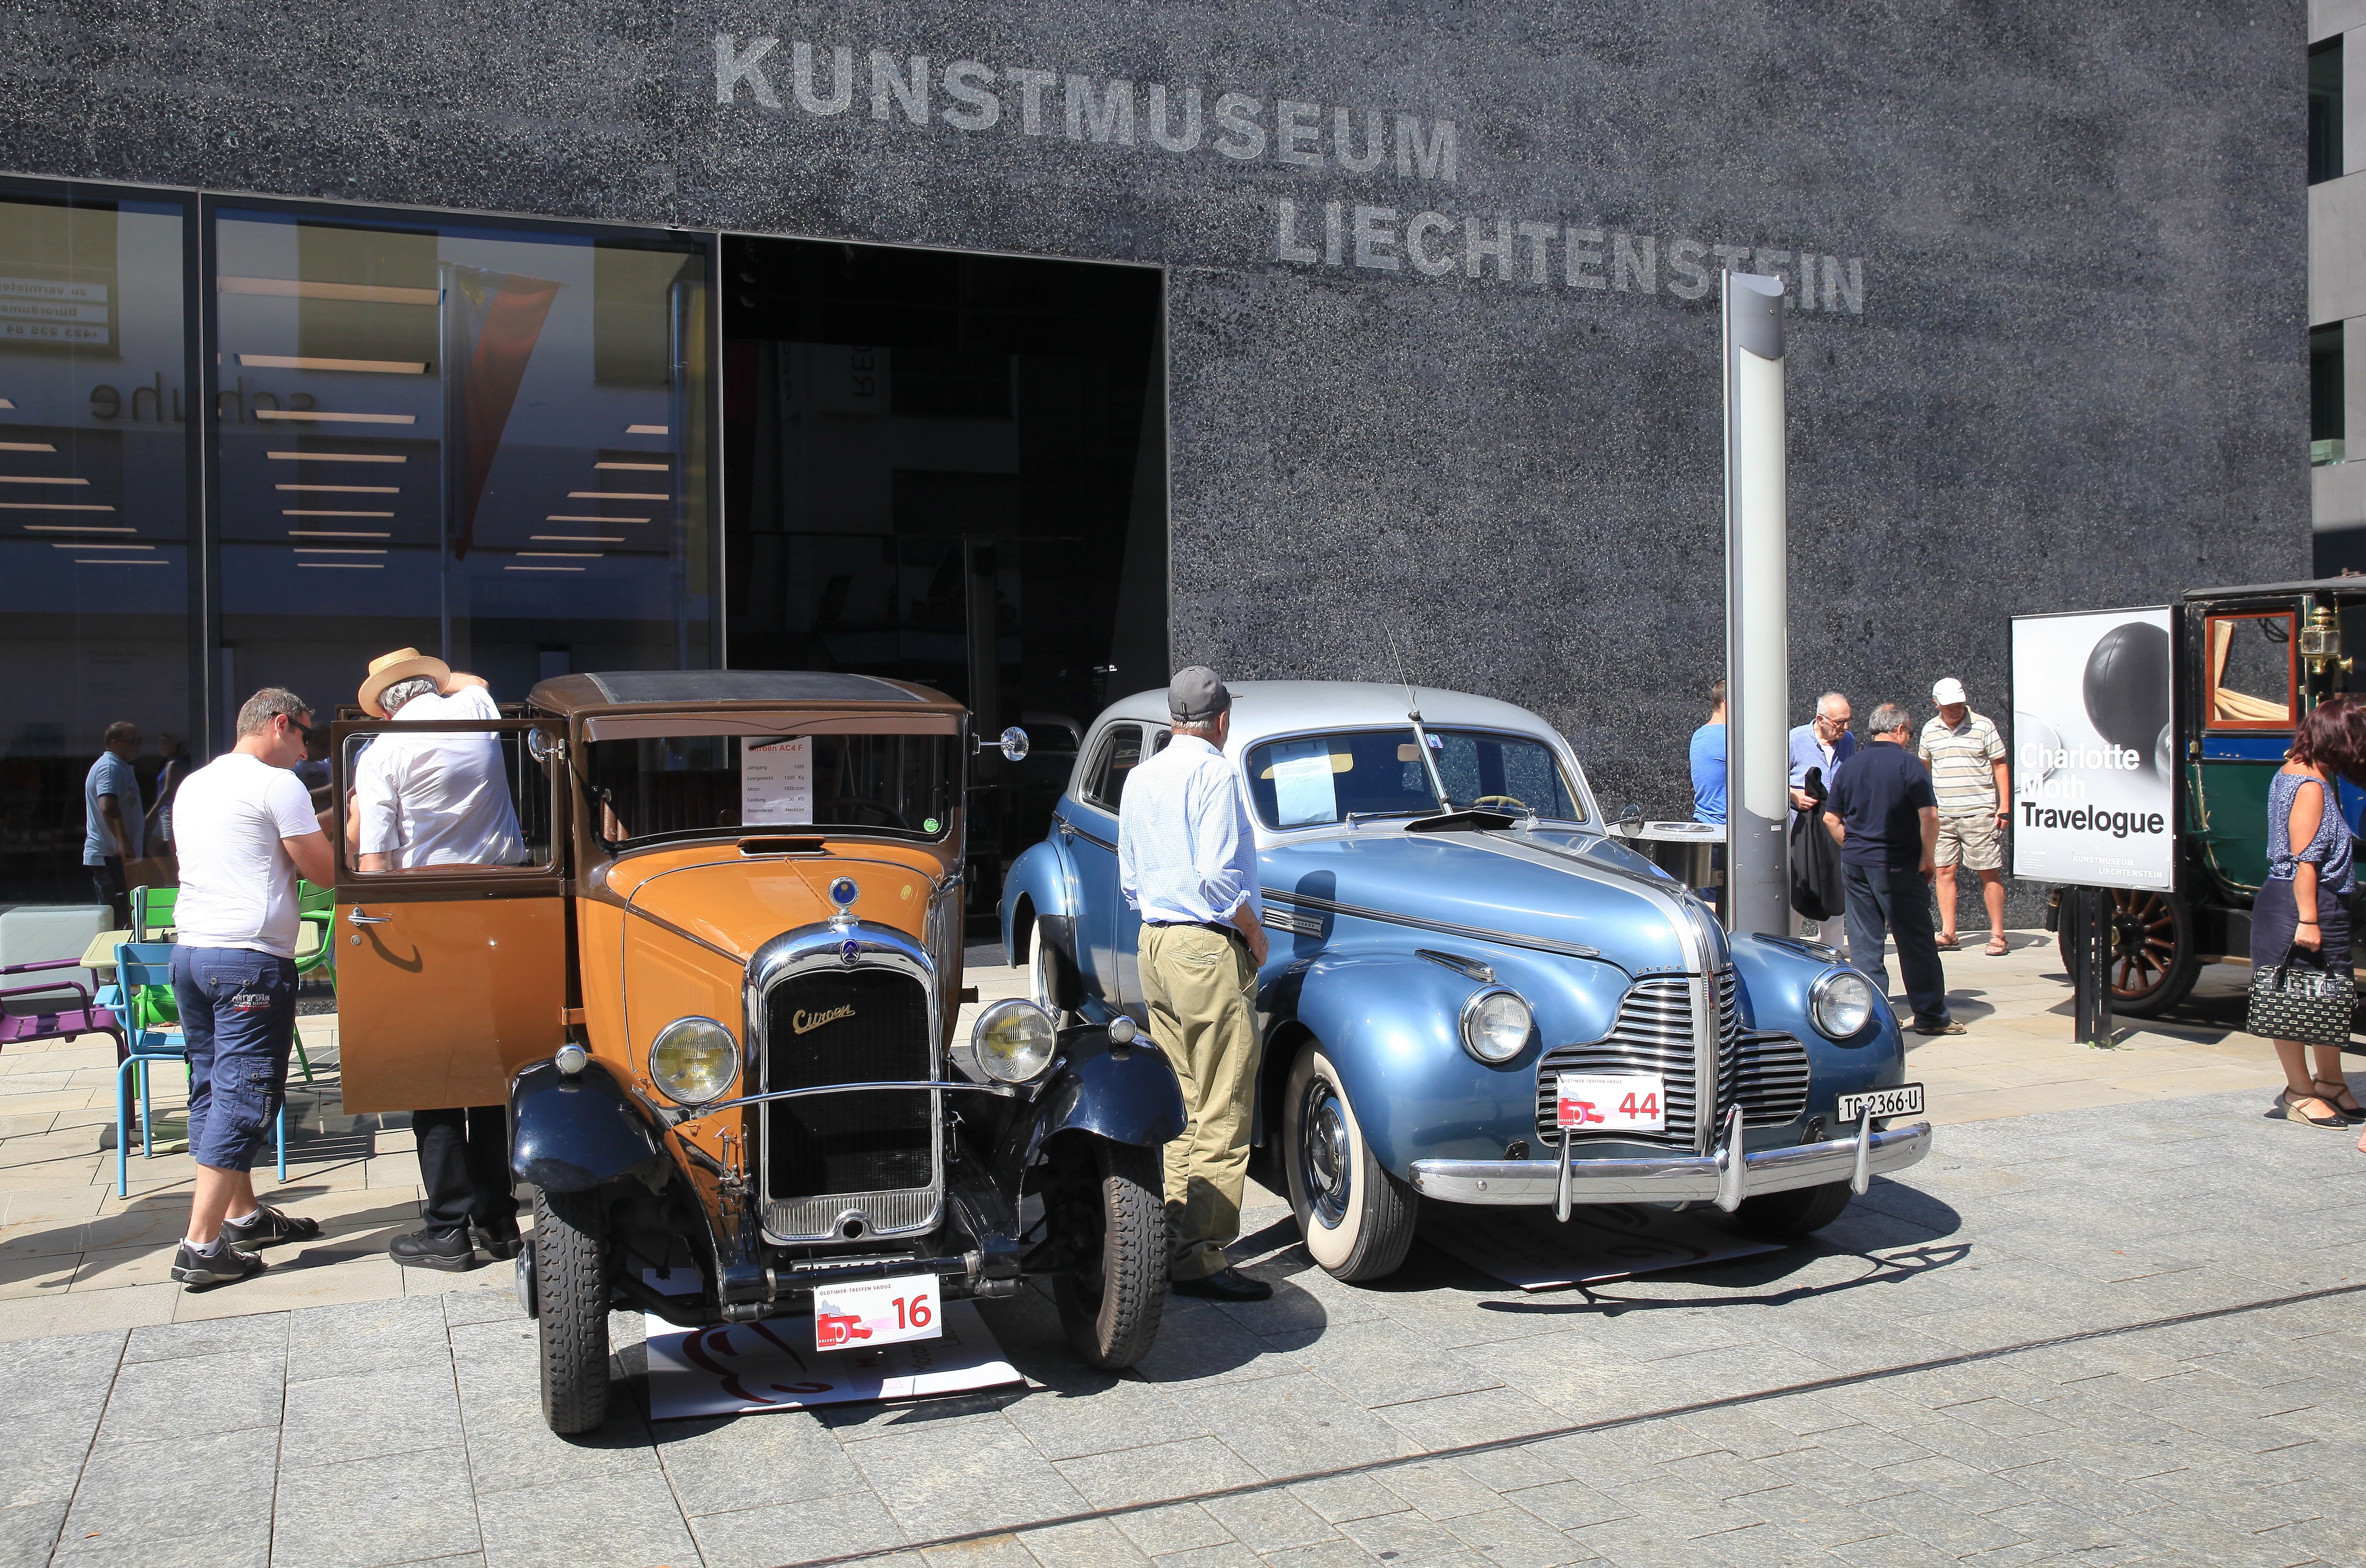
(238, 1014)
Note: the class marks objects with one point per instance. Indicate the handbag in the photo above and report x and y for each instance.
(2302, 1000)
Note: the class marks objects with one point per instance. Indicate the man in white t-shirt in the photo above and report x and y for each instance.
(441, 799)
(244, 830)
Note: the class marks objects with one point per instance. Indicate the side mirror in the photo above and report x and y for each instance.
(541, 747)
(1630, 821)
(1013, 745)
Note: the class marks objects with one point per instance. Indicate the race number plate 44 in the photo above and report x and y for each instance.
(1611, 1102)
(875, 1312)
(1906, 1099)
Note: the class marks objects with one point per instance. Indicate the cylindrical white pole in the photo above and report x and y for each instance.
(1757, 610)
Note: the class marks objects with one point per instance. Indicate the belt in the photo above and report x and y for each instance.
(1222, 928)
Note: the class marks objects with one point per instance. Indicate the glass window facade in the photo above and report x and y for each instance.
(247, 444)
(96, 517)
(486, 444)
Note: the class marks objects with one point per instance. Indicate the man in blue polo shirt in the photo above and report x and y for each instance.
(1886, 819)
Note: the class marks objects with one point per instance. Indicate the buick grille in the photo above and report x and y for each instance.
(1766, 1073)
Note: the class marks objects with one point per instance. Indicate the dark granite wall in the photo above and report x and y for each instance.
(2072, 374)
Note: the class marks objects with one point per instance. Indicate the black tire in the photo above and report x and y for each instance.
(1787, 1216)
(1052, 980)
(2154, 961)
(1356, 1218)
(571, 1279)
(1110, 1306)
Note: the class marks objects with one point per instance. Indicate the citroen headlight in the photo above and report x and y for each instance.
(694, 1060)
(1496, 1025)
(1840, 1003)
(1013, 1041)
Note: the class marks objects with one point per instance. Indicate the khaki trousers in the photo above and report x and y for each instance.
(1202, 992)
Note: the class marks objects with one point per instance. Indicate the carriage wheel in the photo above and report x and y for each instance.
(2153, 963)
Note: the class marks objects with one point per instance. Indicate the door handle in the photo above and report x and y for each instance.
(355, 917)
(1066, 830)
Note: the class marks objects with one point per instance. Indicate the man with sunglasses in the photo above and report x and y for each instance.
(244, 829)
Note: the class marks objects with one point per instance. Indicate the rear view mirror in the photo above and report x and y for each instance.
(542, 747)
(1630, 821)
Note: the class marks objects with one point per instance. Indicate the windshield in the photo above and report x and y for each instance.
(1328, 778)
(675, 786)
(1507, 773)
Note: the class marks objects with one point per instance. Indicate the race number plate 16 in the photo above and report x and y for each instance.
(875, 1312)
(1613, 1103)
(1906, 1099)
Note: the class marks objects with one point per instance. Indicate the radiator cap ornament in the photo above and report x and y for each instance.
(843, 893)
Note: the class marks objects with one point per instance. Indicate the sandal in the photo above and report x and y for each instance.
(1947, 943)
(1999, 946)
(2289, 1107)
(2340, 1092)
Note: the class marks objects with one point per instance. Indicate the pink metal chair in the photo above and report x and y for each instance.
(57, 1010)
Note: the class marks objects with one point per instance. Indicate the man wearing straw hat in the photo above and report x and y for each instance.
(441, 799)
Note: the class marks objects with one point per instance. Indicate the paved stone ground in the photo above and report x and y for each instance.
(1914, 1389)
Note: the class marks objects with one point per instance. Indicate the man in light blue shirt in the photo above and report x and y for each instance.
(1709, 760)
(1187, 859)
(116, 828)
(1825, 742)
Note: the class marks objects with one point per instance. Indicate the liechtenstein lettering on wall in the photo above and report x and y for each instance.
(1397, 214)
(2094, 752)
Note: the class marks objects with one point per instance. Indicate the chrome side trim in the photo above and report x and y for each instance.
(1671, 1179)
(826, 948)
(1481, 933)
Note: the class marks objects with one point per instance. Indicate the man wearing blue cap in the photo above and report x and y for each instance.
(1187, 859)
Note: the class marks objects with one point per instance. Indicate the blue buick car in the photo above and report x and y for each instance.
(1476, 992)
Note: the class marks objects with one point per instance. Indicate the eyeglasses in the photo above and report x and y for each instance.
(310, 732)
(1836, 724)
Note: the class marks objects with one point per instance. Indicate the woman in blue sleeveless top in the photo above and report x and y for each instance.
(2304, 904)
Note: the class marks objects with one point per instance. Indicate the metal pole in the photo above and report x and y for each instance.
(1757, 609)
(2091, 968)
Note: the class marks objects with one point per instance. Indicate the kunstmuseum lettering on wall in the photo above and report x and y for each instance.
(904, 91)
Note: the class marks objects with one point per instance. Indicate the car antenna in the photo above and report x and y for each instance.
(1412, 701)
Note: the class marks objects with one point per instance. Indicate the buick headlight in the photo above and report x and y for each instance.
(694, 1060)
(1495, 1025)
(1013, 1041)
(1841, 1003)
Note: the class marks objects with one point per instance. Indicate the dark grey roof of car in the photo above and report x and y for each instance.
(747, 686)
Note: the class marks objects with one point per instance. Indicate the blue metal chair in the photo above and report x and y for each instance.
(141, 969)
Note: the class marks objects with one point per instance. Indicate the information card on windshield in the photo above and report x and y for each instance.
(775, 782)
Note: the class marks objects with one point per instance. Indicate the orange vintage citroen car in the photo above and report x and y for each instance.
(717, 990)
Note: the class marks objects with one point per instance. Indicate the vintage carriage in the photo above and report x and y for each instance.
(2248, 665)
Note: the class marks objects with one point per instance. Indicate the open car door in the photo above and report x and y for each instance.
(451, 933)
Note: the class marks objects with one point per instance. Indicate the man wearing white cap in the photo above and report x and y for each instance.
(1966, 757)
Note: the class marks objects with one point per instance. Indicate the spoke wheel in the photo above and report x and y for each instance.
(2153, 962)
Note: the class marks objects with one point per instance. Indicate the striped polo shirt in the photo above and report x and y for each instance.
(1961, 762)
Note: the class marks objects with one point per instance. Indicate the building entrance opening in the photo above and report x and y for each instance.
(951, 469)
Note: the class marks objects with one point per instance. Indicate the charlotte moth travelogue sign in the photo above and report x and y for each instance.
(2094, 749)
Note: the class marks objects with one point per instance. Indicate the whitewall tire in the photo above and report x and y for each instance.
(1356, 1218)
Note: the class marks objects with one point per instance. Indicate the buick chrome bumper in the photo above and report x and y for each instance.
(1724, 1178)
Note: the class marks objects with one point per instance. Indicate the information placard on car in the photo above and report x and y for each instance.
(875, 1312)
(1906, 1099)
(1613, 1101)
